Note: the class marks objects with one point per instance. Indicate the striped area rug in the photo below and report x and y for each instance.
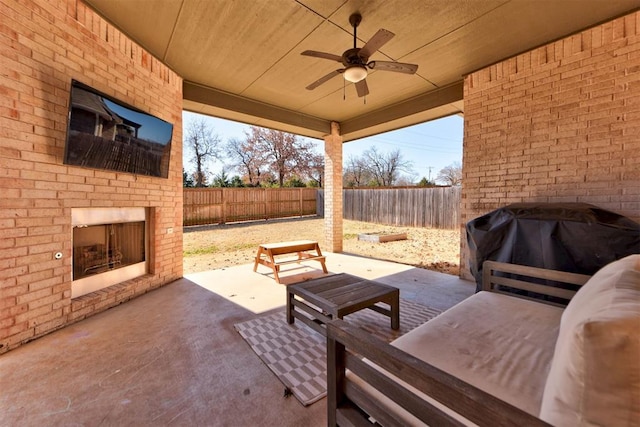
(297, 353)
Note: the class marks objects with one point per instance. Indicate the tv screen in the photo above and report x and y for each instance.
(105, 133)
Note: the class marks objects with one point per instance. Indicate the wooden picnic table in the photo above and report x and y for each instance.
(306, 250)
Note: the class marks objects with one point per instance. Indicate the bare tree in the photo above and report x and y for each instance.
(406, 180)
(203, 144)
(451, 175)
(385, 168)
(356, 173)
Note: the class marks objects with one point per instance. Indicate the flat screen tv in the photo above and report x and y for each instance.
(104, 133)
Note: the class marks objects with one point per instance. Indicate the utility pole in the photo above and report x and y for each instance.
(429, 167)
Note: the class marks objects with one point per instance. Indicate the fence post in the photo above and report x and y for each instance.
(224, 206)
(266, 204)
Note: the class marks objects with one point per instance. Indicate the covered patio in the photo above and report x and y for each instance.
(551, 102)
(549, 96)
(173, 357)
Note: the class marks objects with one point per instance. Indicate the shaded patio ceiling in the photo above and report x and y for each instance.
(241, 60)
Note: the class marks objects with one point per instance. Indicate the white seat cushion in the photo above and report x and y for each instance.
(498, 343)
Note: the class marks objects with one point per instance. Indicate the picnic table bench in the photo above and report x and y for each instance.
(306, 250)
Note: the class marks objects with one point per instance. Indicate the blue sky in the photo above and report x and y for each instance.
(429, 146)
(152, 128)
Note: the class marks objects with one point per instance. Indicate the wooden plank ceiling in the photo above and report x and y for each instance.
(240, 59)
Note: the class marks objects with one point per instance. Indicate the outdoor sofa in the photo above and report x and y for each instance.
(499, 358)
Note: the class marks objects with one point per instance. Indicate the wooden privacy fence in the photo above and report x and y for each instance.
(222, 205)
(437, 207)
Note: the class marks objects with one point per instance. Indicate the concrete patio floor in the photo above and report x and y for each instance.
(172, 356)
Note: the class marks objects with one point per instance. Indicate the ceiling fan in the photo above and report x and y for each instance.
(356, 61)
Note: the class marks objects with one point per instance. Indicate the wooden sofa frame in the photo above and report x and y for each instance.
(350, 405)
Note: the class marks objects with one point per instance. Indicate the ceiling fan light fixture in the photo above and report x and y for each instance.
(355, 73)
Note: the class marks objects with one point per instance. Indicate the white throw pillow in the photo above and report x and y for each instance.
(594, 378)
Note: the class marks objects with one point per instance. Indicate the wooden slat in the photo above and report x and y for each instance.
(293, 261)
(493, 279)
(533, 287)
(381, 310)
(300, 305)
(421, 409)
(542, 273)
(335, 379)
(310, 323)
(321, 284)
(348, 416)
(343, 293)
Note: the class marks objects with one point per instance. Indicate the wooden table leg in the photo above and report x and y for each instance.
(319, 253)
(395, 311)
(290, 307)
(258, 256)
(275, 267)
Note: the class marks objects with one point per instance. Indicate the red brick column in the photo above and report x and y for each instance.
(333, 190)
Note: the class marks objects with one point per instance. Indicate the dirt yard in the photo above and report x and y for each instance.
(218, 246)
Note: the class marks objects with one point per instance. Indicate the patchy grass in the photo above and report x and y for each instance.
(242, 246)
(203, 250)
(213, 249)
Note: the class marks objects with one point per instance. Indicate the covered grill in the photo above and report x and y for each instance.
(574, 237)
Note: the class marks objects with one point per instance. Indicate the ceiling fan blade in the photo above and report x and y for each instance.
(398, 67)
(322, 55)
(362, 88)
(326, 78)
(378, 40)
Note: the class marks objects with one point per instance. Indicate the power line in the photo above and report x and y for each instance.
(418, 146)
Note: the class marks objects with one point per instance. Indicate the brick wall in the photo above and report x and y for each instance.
(558, 124)
(44, 44)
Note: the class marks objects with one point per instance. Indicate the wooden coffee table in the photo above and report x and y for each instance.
(333, 297)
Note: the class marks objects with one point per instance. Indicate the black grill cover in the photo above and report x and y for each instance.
(573, 237)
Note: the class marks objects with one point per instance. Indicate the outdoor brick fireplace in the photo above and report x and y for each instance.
(77, 240)
(110, 246)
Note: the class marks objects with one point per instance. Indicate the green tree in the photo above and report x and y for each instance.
(187, 181)
(294, 181)
(236, 182)
(424, 182)
(221, 180)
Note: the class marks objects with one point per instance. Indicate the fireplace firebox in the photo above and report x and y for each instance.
(109, 247)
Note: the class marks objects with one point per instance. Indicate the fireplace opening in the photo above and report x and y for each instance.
(105, 247)
(110, 246)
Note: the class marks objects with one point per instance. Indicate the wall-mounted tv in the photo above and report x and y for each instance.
(105, 133)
